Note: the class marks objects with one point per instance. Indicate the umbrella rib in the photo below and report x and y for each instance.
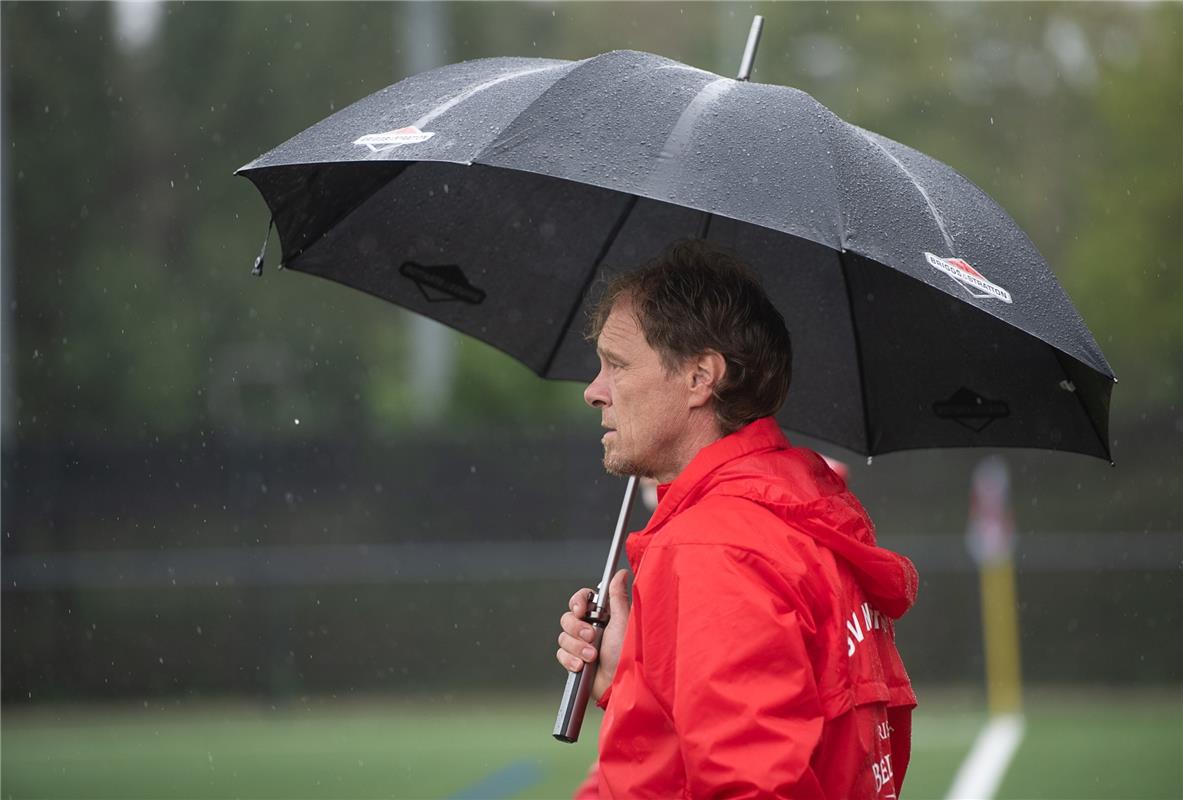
(498, 142)
(1104, 440)
(858, 353)
(677, 143)
(451, 103)
(932, 208)
(587, 281)
(704, 230)
(286, 260)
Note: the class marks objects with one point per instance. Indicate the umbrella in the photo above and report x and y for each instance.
(491, 195)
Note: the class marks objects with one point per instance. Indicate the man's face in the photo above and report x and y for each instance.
(644, 407)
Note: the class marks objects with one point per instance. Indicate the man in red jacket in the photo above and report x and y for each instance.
(757, 658)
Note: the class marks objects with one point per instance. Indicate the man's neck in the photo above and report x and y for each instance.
(697, 437)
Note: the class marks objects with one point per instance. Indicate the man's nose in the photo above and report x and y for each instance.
(596, 395)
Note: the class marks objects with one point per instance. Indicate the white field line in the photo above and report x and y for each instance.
(983, 769)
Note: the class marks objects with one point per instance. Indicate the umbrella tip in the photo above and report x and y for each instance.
(749, 52)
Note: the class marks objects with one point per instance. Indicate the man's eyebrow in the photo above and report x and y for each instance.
(611, 355)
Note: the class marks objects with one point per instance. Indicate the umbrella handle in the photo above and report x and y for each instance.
(577, 693)
(579, 684)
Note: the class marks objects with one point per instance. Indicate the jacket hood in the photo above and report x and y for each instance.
(758, 463)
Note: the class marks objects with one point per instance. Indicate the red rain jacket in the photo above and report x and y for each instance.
(759, 658)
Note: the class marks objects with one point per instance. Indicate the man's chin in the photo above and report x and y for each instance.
(623, 468)
(617, 469)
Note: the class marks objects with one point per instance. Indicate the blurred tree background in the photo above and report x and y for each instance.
(158, 397)
(127, 237)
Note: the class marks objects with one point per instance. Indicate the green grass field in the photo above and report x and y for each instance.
(1080, 745)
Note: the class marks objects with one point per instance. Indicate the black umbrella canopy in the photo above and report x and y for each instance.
(492, 194)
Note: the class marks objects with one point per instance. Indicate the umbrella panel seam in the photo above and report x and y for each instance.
(1104, 440)
(587, 281)
(858, 352)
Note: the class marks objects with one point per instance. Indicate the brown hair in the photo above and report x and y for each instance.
(696, 297)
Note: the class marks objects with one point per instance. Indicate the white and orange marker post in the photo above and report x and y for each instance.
(991, 540)
(990, 537)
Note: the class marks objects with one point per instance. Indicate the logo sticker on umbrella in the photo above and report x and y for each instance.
(970, 279)
(442, 282)
(381, 142)
(970, 409)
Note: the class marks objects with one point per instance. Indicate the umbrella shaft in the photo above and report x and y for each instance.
(600, 600)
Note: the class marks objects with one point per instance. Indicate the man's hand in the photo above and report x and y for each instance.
(574, 648)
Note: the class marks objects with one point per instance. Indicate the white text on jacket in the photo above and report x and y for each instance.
(862, 621)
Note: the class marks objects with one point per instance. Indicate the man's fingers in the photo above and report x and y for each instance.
(577, 647)
(574, 648)
(618, 600)
(576, 627)
(568, 661)
(579, 600)
(574, 653)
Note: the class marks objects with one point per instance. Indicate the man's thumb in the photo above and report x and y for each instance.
(618, 601)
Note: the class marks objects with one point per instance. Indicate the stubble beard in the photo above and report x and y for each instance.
(623, 467)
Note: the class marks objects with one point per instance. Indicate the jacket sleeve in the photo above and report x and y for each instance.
(724, 648)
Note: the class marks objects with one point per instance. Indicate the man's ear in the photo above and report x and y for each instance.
(706, 375)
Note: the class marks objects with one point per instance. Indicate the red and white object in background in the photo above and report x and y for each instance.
(990, 534)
